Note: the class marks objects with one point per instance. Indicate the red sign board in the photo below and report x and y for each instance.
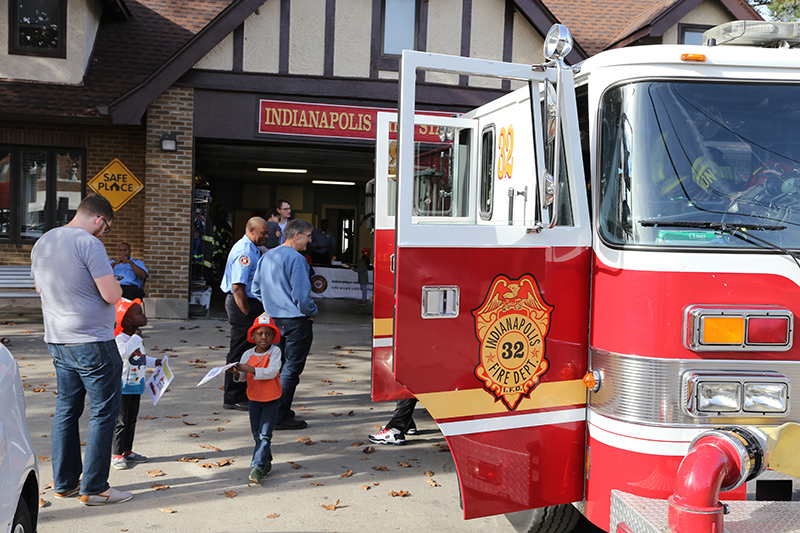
(324, 120)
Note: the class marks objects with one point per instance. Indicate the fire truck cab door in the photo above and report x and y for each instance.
(491, 311)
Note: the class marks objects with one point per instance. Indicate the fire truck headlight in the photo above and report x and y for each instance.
(719, 397)
(766, 397)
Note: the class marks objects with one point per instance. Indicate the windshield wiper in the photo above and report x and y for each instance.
(734, 230)
(708, 224)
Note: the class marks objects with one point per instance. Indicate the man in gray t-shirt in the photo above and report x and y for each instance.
(78, 290)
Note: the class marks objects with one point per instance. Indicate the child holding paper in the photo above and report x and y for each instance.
(260, 367)
(130, 317)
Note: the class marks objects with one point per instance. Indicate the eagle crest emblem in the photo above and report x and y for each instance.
(511, 326)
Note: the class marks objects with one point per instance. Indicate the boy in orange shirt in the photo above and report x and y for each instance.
(260, 367)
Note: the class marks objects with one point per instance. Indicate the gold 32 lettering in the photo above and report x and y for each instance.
(505, 144)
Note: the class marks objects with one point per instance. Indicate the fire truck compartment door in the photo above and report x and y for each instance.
(491, 319)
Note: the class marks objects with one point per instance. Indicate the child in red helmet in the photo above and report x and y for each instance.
(130, 317)
(260, 367)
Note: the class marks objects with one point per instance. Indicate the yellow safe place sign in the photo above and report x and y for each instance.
(116, 183)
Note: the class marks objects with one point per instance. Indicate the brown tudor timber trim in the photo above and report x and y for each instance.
(130, 107)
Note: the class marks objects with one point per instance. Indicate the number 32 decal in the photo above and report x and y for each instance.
(505, 163)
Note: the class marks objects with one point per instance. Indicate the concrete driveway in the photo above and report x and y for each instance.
(326, 477)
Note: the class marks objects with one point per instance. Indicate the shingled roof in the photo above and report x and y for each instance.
(135, 60)
(601, 25)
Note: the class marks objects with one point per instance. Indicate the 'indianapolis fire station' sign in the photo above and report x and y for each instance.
(511, 326)
(326, 120)
(116, 183)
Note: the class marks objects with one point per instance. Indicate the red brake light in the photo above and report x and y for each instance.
(767, 330)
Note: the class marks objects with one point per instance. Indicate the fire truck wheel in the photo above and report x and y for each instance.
(555, 519)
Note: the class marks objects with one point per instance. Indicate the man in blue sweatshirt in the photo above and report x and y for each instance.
(283, 285)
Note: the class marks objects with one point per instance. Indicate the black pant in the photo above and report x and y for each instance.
(403, 413)
(126, 424)
(237, 392)
(131, 292)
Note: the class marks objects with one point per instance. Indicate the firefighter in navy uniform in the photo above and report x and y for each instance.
(240, 303)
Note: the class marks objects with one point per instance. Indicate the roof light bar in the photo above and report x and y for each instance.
(754, 33)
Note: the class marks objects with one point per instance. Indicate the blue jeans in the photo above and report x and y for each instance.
(295, 343)
(93, 369)
(263, 416)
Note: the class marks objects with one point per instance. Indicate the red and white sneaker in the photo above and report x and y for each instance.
(388, 436)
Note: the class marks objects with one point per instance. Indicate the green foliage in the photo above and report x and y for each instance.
(779, 10)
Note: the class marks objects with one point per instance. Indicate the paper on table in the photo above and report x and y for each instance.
(214, 372)
(159, 380)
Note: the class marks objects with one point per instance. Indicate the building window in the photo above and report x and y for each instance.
(691, 33)
(399, 27)
(38, 27)
(40, 189)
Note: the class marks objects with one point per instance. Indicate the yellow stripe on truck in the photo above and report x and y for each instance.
(382, 327)
(474, 402)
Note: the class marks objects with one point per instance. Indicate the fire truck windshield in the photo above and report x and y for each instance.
(683, 163)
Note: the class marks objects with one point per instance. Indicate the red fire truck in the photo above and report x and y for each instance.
(596, 273)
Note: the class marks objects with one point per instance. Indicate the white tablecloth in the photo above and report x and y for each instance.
(329, 282)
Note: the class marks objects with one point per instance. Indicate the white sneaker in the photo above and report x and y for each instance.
(112, 495)
(388, 436)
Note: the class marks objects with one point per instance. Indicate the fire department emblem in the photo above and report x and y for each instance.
(244, 260)
(511, 325)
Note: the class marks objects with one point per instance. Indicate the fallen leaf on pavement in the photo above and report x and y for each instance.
(432, 483)
(368, 449)
(351, 413)
(326, 381)
(348, 473)
(48, 486)
(295, 465)
(273, 515)
(351, 380)
(402, 493)
(230, 494)
(306, 476)
(156, 486)
(194, 435)
(380, 468)
(330, 441)
(154, 473)
(331, 393)
(148, 417)
(365, 487)
(355, 444)
(38, 390)
(190, 459)
(209, 447)
(167, 511)
(336, 347)
(331, 507)
(336, 414)
(226, 462)
(403, 464)
(303, 439)
(429, 473)
(171, 416)
(377, 483)
(317, 484)
(44, 458)
(190, 423)
(220, 429)
(43, 503)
